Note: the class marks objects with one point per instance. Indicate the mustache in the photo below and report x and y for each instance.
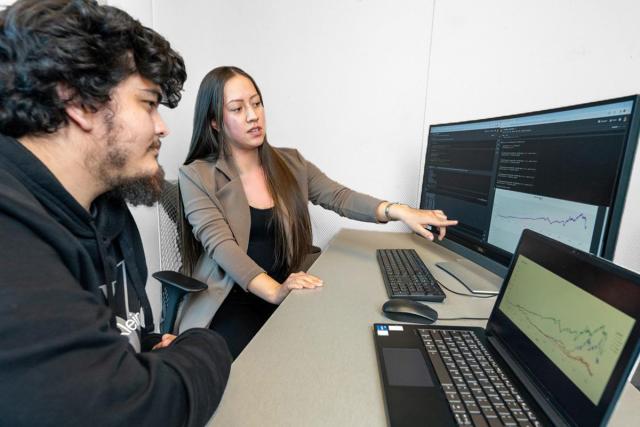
(156, 145)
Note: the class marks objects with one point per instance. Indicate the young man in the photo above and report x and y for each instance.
(80, 132)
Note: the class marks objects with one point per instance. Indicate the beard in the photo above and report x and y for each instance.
(144, 189)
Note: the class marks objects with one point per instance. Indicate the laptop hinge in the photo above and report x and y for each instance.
(556, 418)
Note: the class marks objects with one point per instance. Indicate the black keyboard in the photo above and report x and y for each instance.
(478, 391)
(406, 276)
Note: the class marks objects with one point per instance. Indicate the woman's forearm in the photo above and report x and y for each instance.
(266, 288)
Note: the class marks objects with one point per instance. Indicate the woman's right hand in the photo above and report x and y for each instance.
(269, 290)
(299, 280)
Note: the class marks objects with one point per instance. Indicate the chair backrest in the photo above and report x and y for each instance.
(169, 237)
(175, 285)
(169, 245)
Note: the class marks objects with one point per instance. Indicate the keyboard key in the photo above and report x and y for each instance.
(457, 408)
(488, 411)
(462, 419)
(463, 389)
(519, 416)
(438, 366)
(478, 420)
(477, 392)
(501, 410)
(466, 396)
(472, 408)
(513, 406)
(508, 420)
(482, 400)
(494, 421)
(453, 397)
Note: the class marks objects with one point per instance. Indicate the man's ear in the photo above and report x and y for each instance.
(82, 116)
(214, 125)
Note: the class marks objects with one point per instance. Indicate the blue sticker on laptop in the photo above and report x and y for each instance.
(382, 330)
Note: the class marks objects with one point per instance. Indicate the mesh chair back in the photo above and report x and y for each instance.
(169, 242)
(169, 237)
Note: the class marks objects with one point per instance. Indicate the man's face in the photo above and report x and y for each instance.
(125, 159)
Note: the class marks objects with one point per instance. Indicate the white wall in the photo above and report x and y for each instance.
(344, 81)
(492, 58)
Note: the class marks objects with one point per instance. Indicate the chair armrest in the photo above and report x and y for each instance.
(174, 287)
(180, 281)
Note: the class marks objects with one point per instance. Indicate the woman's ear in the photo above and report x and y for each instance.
(214, 125)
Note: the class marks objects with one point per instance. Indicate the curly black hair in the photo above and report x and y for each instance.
(84, 47)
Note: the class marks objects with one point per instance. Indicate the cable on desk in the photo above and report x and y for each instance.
(463, 318)
(465, 295)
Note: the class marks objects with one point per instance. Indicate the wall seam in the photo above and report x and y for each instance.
(424, 139)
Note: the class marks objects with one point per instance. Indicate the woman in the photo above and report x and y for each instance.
(246, 222)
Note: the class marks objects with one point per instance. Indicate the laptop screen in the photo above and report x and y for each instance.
(571, 320)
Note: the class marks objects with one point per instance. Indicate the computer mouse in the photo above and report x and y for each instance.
(405, 310)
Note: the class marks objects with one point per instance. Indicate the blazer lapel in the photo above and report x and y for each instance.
(231, 195)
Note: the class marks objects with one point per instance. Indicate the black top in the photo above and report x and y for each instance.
(62, 333)
(262, 243)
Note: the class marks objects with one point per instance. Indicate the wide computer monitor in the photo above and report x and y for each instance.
(562, 172)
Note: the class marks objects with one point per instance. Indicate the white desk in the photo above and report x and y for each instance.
(313, 363)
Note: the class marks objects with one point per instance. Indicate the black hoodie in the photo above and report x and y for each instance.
(68, 343)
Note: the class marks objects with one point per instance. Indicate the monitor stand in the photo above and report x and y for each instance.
(475, 278)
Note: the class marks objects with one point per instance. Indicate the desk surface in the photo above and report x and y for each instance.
(314, 364)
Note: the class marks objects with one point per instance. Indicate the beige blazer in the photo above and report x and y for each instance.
(218, 211)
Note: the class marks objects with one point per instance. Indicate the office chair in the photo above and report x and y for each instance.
(175, 285)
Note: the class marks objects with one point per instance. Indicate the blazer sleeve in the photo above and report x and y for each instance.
(332, 195)
(204, 212)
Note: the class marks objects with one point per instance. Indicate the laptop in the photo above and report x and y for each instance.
(559, 346)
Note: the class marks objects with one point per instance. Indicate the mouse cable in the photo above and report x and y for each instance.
(463, 318)
(465, 295)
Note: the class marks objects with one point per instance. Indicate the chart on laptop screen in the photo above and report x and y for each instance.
(582, 335)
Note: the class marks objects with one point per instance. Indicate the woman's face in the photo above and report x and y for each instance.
(242, 114)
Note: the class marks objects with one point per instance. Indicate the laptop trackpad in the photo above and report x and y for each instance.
(406, 367)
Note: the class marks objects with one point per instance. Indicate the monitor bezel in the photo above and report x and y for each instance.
(496, 259)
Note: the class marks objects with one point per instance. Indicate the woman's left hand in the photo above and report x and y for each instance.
(418, 219)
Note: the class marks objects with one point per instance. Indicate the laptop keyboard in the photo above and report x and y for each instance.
(406, 276)
(477, 390)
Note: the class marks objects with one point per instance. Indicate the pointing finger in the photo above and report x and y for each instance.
(423, 232)
(445, 222)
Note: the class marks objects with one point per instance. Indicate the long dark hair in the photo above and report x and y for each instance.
(83, 46)
(291, 216)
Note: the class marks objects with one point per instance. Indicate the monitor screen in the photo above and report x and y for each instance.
(561, 172)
